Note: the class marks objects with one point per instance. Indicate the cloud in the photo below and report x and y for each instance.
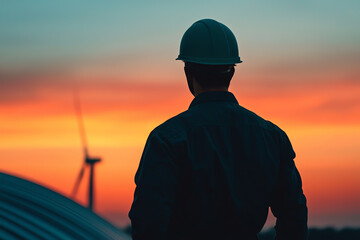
(312, 102)
(284, 91)
(52, 92)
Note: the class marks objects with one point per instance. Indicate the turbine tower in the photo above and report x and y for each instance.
(88, 161)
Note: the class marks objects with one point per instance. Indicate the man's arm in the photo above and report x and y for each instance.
(156, 183)
(289, 203)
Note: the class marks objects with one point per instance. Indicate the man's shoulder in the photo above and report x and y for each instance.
(173, 127)
(275, 131)
(178, 123)
(255, 119)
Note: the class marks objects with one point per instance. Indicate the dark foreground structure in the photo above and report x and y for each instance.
(30, 211)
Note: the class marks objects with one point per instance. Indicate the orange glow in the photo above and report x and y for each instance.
(39, 136)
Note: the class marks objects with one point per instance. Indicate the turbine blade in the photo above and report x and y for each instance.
(78, 181)
(80, 120)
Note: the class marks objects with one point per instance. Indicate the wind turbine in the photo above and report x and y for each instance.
(88, 161)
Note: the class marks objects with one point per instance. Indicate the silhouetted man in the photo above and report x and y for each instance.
(213, 171)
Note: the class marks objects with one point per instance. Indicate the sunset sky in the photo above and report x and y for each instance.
(301, 70)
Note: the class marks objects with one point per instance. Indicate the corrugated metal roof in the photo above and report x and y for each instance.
(31, 211)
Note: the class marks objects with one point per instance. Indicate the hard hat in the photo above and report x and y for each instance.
(209, 42)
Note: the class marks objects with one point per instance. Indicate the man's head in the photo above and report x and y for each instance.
(210, 52)
(203, 77)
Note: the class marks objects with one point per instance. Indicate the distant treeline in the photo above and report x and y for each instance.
(321, 234)
(314, 234)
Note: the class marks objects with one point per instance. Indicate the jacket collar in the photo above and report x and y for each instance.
(223, 96)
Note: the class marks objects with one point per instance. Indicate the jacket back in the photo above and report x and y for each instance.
(213, 171)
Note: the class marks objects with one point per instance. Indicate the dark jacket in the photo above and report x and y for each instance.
(212, 172)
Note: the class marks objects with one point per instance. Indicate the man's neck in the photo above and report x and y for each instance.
(197, 91)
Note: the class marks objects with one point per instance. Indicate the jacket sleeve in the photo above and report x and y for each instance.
(156, 182)
(288, 203)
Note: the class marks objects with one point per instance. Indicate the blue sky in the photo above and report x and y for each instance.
(43, 31)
